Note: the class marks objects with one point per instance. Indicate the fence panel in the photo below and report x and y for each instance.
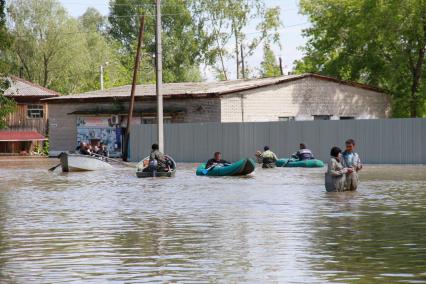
(387, 141)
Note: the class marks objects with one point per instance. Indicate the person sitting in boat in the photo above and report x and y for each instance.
(157, 160)
(217, 161)
(84, 149)
(103, 150)
(335, 177)
(303, 153)
(268, 158)
(351, 160)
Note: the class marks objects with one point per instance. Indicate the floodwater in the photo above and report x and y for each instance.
(277, 226)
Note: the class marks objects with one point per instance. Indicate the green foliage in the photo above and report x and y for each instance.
(46, 147)
(183, 42)
(224, 22)
(269, 65)
(58, 51)
(376, 42)
(7, 106)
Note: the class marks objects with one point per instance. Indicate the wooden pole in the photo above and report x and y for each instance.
(281, 66)
(159, 77)
(243, 67)
(132, 92)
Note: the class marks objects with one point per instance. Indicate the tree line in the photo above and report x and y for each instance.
(47, 46)
(381, 43)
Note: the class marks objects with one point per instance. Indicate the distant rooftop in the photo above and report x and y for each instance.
(23, 88)
(198, 89)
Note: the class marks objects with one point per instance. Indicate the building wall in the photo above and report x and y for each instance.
(19, 119)
(63, 128)
(302, 99)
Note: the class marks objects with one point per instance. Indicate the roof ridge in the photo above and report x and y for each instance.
(34, 85)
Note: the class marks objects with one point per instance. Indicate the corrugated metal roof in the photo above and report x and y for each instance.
(23, 88)
(199, 89)
(8, 136)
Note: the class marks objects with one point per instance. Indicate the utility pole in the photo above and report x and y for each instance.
(132, 92)
(281, 66)
(102, 77)
(243, 68)
(159, 76)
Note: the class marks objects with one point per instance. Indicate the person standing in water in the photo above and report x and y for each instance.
(335, 177)
(268, 158)
(352, 161)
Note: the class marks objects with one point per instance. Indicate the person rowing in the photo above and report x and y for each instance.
(157, 160)
(303, 153)
(216, 161)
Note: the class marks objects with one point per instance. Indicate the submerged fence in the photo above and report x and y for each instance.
(382, 141)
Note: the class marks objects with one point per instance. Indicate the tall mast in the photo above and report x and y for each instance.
(159, 77)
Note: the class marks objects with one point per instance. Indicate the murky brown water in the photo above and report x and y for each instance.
(279, 226)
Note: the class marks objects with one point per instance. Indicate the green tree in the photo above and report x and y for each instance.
(269, 65)
(102, 51)
(376, 42)
(183, 42)
(60, 52)
(5, 38)
(7, 105)
(49, 45)
(224, 23)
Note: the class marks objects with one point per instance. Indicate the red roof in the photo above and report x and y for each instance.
(20, 136)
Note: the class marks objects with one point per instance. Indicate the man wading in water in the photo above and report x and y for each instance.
(268, 158)
(351, 160)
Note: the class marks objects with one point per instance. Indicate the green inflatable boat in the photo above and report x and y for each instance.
(299, 164)
(240, 168)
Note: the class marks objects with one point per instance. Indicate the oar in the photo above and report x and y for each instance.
(206, 171)
(114, 160)
(54, 168)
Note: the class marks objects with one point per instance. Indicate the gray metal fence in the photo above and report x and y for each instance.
(382, 141)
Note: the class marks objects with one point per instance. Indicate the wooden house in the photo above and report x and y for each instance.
(28, 125)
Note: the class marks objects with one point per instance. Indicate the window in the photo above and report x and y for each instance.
(148, 120)
(153, 120)
(286, 118)
(322, 117)
(35, 111)
(346, 117)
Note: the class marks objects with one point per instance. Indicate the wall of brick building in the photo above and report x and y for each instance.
(63, 129)
(302, 99)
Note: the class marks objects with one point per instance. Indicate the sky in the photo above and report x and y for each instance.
(291, 33)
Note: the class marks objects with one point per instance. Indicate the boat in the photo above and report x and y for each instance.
(240, 168)
(71, 162)
(292, 163)
(143, 165)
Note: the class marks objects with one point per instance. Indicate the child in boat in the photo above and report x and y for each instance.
(351, 160)
(217, 161)
(335, 176)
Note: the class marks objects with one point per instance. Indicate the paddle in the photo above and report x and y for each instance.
(114, 160)
(54, 168)
(286, 163)
(206, 171)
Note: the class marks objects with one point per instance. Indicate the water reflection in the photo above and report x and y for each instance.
(277, 226)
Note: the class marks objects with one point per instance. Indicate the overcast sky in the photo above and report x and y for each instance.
(291, 34)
